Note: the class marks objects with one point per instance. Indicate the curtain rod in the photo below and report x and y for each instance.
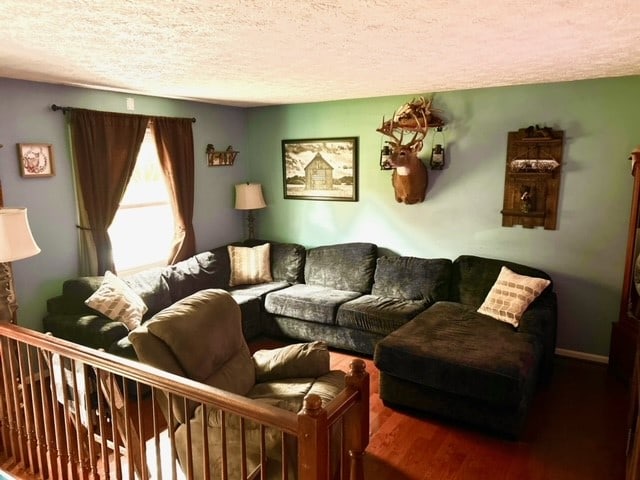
(64, 110)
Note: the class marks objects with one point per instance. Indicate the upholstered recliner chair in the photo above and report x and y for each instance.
(200, 337)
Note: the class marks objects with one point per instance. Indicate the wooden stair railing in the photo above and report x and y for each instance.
(115, 430)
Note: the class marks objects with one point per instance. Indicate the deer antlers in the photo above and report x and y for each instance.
(410, 117)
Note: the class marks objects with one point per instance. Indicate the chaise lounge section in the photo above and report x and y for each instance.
(458, 363)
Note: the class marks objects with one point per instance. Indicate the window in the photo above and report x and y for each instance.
(143, 228)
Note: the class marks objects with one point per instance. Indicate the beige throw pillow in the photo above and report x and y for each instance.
(117, 301)
(250, 265)
(511, 295)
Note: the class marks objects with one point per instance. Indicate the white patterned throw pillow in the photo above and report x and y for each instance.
(117, 301)
(511, 295)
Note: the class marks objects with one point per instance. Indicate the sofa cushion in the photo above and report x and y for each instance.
(411, 278)
(117, 301)
(511, 295)
(287, 260)
(300, 360)
(453, 348)
(74, 292)
(346, 266)
(250, 265)
(259, 290)
(472, 278)
(152, 287)
(95, 331)
(381, 315)
(196, 273)
(312, 303)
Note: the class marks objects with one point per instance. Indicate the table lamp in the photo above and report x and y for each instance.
(249, 197)
(16, 243)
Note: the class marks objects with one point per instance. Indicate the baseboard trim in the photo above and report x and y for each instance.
(590, 357)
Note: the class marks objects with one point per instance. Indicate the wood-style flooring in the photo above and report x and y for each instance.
(576, 430)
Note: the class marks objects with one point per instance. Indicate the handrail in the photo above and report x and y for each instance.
(49, 443)
(143, 373)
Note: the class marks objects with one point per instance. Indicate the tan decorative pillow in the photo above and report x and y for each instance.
(250, 265)
(511, 295)
(117, 301)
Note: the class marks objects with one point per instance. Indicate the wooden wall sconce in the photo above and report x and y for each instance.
(218, 158)
(532, 177)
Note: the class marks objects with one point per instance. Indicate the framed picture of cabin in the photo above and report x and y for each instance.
(320, 169)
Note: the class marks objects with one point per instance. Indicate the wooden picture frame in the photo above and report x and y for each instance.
(320, 169)
(36, 160)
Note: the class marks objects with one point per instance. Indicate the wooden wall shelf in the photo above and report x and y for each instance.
(532, 178)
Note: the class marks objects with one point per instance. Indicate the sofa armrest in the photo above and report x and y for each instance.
(301, 360)
(91, 330)
(541, 320)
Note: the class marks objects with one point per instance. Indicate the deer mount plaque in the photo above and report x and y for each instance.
(532, 177)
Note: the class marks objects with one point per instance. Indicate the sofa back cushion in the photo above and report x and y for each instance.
(411, 278)
(287, 260)
(346, 266)
(473, 277)
(152, 287)
(208, 269)
(74, 292)
(149, 284)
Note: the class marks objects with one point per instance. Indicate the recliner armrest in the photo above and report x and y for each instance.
(301, 360)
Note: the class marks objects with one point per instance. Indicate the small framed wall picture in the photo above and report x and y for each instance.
(36, 160)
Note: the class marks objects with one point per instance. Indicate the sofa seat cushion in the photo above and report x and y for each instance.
(381, 315)
(453, 348)
(259, 290)
(313, 303)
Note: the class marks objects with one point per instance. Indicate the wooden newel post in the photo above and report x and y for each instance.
(356, 420)
(313, 442)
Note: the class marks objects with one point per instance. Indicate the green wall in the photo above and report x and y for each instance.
(461, 214)
(25, 117)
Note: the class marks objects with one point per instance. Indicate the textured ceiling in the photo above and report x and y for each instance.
(243, 52)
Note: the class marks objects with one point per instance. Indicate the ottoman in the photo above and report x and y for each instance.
(457, 363)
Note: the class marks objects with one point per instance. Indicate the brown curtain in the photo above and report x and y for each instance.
(104, 147)
(174, 140)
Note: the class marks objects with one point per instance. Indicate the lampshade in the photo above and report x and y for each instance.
(16, 240)
(249, 196)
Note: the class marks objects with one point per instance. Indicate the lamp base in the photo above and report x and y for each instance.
(8, 304)
(251, 223)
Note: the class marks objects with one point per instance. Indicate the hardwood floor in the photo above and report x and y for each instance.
(576, 430)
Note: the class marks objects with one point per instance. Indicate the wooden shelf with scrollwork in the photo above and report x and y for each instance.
(532, 178)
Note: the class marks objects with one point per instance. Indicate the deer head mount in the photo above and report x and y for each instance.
(410, 177)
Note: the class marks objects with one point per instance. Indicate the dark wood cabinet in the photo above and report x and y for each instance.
(624, 333)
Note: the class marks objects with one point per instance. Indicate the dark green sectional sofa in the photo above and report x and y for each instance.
(417, 317)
